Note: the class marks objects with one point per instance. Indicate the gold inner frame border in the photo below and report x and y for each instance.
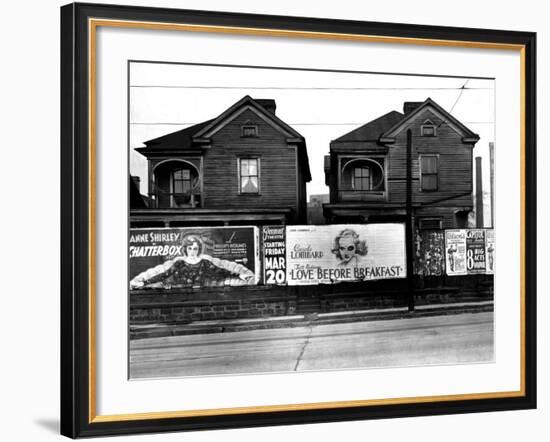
(93, 24)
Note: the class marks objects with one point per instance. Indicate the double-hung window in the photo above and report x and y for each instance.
(181, 179)
(362, 178)
(249, 175)
(429, 170)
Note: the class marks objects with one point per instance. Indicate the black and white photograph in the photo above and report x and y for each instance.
(290, 220)
(275, 221)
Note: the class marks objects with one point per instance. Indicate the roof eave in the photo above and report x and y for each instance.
(295, 140)
(471, 140)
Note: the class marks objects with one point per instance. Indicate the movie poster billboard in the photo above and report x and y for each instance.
(274, 254)
(475, 251)
(351, 252)
(455, 252)
(490, 250)
(193, 257)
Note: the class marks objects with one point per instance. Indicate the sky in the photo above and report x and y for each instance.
(321, 106)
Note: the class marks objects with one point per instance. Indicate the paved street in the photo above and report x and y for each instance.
(462, 338)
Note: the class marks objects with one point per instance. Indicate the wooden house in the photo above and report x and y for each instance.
(245, 166)
(366, 170)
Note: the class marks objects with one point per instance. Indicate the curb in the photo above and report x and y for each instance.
(235, 325)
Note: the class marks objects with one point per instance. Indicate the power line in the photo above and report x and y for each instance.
(462, 89)
(291, 124)
(303, 69)
(313, 88)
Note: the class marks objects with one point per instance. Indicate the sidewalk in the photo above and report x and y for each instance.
(232, 325)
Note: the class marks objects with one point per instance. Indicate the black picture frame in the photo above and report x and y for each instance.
(77, 252)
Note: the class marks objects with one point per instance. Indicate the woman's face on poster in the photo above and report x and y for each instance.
(192, 250)
(346, 247)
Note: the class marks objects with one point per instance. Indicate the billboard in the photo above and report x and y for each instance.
(193, 257)
(469, 251)
(351, 252)
(274, 254)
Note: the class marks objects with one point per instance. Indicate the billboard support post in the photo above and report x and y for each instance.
(409, 226)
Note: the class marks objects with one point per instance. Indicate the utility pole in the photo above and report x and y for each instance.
(409, 225)
(492, 180)
(479, 194)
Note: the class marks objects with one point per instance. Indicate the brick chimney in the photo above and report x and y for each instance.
(268, 104)
(410, 106)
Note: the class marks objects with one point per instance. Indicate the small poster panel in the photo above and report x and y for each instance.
(274, 254)
(475, 251)
(432, 256)
(455, 252)
(490, 250)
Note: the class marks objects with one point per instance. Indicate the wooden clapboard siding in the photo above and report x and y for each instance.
(452, 200)
(455, 161)
(278, 168)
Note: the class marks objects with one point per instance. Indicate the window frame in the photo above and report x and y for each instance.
(240, 176)
(422, 173)
(361, 178)
(174, 180)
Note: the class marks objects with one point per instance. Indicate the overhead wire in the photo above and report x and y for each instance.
(141, 123)
(350, 88)
(461, 89)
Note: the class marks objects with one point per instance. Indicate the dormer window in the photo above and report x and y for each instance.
(428, 129)
(176, 184)
(362, 174)
(249, 131)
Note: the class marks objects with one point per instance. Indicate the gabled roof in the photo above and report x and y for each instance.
(449, 119)
(215, 124)
(373, 129)
(179, 140)
(388, 125)
(193, 137)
